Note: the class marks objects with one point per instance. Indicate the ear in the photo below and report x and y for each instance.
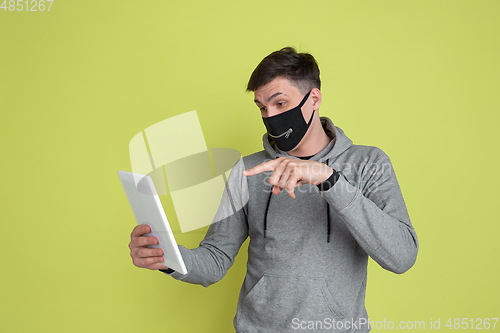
(316, 98)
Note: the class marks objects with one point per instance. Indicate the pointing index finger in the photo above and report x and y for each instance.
(265, 166)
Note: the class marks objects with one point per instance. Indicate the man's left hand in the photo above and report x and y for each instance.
(290, 173)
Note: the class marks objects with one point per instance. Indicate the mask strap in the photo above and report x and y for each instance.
(302, 103)
(304, 99)
(310, 120)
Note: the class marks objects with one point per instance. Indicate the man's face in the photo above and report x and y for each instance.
(279, 96)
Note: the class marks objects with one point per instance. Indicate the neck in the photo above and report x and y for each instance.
(313, 142)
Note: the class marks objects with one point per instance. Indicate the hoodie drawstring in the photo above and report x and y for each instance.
(328, 214)
(265, 214)
(328, 223)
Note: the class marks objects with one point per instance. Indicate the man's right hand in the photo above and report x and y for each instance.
(142, 256)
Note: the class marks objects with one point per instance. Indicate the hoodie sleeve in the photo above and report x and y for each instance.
(375, 213)
(209, 262)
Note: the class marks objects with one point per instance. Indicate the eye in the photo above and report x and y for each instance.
(263, 109)
(280, 104)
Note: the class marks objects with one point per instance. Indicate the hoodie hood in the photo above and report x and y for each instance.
(340, 142)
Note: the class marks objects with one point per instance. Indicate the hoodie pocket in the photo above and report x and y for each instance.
(278, 302)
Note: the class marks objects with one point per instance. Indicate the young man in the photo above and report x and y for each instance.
(315, 206)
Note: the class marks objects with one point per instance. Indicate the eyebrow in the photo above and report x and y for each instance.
(270, 98)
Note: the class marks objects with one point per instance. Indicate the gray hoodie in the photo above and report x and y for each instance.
(307, 257)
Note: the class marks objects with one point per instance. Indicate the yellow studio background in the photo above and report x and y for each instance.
(419, 79)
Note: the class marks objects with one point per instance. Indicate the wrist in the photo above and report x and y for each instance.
(329, 182)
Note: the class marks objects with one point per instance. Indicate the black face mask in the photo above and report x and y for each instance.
(288, 128)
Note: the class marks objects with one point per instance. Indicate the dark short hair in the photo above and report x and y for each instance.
(300, 69)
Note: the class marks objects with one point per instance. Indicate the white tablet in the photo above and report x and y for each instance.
(146, 205)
